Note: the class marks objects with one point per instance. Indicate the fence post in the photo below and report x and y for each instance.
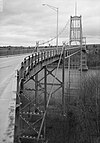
(37, 45)
(28, 64)
(21, 72)
(32, 61)
(35, 58)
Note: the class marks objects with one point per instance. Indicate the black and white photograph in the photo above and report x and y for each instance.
(49, 71)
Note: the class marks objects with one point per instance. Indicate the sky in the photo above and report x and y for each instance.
(23, 22)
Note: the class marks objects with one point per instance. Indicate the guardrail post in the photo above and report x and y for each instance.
(24, 67)
(35, 58)
(32, 61)
(36, 47)
(28, 64)
(21, 73)
(24, 62)
(41, 56)
(28, 60)
(50, 54)
(53, 53)
(47, 54)
(38, 57)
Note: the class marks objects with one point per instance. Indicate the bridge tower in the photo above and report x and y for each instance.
(76, 38)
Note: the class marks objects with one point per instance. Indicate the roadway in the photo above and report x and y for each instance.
(8, 67)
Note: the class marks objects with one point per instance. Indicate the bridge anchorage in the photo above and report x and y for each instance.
(42, 92)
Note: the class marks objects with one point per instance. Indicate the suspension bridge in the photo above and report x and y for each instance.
(35, 91)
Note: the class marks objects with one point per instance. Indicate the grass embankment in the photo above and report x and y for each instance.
(81, 124)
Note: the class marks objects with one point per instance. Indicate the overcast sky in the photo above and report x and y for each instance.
(23, 22)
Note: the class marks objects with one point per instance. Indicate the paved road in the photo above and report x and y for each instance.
(8, 67)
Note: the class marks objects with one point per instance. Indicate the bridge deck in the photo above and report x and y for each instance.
(34, 63)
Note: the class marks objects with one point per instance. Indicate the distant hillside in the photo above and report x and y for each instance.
(10, 50)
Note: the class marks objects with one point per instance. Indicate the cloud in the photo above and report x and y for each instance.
(24, 22)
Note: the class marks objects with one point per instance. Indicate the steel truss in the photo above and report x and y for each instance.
(30, 119)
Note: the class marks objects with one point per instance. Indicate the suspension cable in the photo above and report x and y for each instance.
(56, 35)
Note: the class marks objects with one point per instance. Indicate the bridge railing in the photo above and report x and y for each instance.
(39, 57)
(31, 61)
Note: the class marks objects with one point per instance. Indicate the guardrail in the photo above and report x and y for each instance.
(46, 57)
(38, 57)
